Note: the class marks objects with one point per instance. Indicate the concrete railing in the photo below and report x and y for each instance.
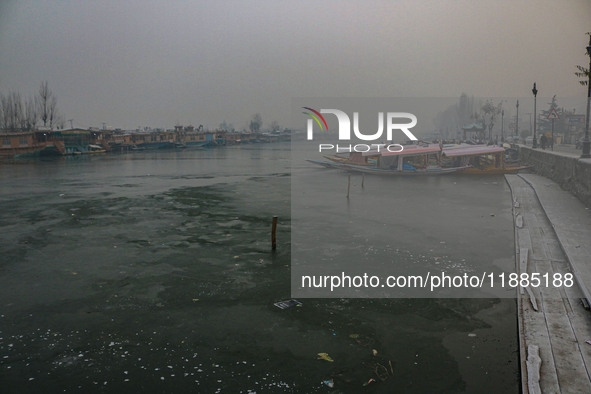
(570, 172)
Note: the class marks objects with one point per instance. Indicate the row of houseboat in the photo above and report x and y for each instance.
(81, 141)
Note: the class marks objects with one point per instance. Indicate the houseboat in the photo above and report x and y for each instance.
(23, 144)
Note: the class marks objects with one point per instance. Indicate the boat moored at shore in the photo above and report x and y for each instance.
(412, 160)
(478, 159)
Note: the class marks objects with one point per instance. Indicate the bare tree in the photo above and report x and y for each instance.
(275, 127)
(17, 114)
(60, 121)
(2, 113)
(226, 126)
(13, 107)
(8, 112)
(45, 95)
(31, 113)
(256, 122)
(491, 111)
(52, 111)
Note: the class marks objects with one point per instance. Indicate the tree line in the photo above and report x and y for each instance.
(19, 113)
(255, 125)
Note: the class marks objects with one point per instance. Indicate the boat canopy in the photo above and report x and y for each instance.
(471, 150)
(409, 150)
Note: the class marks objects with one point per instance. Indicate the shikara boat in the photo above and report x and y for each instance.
(479, 159)
(412, 160)
(93, 149)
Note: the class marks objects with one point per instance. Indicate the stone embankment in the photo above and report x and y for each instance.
(572, 173)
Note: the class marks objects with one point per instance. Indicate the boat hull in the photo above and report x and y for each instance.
(493, 171)
(379, 171)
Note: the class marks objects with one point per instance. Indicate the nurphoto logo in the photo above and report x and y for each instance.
(392, 124)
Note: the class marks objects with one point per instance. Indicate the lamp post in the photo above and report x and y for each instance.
(502, 125)
(517, 120)
(530, 129)
(586, 144)
(535, 92)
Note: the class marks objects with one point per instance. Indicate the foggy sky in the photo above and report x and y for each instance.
(157, 63)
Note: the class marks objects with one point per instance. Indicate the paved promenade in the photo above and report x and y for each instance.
(553, 236)
(561, 150)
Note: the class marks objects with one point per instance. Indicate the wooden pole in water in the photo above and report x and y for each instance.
(348, 186)
(274, 234)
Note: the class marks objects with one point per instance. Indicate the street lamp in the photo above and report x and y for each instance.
(586, 145)
(517, 120)
(502, 125)
(535, 92)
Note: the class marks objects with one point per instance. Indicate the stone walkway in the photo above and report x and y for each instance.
(552, 235)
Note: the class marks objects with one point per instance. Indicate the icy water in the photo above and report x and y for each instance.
(152, 272)
(453, 225)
